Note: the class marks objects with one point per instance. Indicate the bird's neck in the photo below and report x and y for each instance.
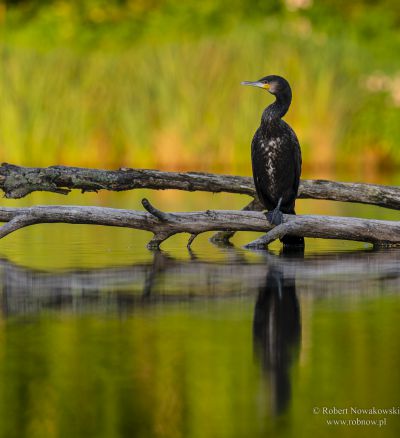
(278, 109)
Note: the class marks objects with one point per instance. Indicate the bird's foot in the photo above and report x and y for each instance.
(274, 217)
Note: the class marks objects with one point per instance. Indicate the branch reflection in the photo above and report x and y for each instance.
(164, 279)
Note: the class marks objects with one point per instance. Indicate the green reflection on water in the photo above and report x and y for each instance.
(101, 338)
(159, 372)
(189, 370)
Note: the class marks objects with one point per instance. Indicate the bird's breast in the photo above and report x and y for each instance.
(269, 154)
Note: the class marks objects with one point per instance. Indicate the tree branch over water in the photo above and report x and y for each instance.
(17, 182)
(164, 225)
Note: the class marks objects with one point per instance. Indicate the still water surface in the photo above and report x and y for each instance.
(100, 337)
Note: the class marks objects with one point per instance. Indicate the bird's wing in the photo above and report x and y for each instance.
(260, 172)
(298, 162)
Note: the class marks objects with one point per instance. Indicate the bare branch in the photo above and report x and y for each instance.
(163, 217)
(15, 224)
(191, 239)
(225, 236)
(276, 233)
(329, 227)
(17, 182)
(383, 196)
(158, 239)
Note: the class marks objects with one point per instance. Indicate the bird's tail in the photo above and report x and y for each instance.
(292, 241)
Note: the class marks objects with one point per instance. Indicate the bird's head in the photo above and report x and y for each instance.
(274, 84)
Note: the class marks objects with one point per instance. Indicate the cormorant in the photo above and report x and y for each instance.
(276, 156)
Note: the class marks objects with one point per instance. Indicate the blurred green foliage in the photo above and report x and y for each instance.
(156, 83)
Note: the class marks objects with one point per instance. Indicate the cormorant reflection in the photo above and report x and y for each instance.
(276, 333)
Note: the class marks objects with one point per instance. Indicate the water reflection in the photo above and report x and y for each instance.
(165, 279)
(277, 333)
(277, 313)
(166, 348)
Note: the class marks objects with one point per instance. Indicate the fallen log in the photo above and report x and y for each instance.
(164, 225)
(18, 181)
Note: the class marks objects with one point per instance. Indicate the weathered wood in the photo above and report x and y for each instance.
(17, 182)
(377, 232)
(225, 236)
(375, 194)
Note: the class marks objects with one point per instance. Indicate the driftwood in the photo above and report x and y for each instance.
(163, 225)
(17, 182)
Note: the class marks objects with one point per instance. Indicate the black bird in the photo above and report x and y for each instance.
(276, 156)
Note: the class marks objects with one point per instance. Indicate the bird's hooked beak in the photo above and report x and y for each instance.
(256, 84)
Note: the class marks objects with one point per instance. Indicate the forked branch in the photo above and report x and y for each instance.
(164, 225)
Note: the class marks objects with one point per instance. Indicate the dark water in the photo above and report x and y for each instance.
(101, 338)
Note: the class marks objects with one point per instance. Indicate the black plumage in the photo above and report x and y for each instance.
(276, 156)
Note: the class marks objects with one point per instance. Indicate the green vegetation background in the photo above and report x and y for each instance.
(156, 83)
